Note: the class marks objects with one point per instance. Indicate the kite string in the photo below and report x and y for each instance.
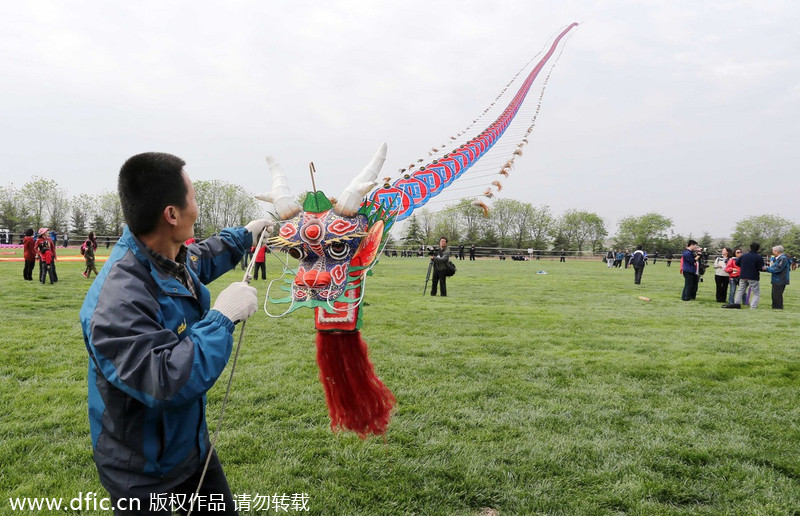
(247, 278)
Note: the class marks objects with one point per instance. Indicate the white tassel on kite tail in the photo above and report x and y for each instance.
(420, 182)
(483, 204)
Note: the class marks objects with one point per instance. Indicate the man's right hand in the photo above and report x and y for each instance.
(237, 302)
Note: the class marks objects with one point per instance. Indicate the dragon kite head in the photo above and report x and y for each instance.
(335, 243)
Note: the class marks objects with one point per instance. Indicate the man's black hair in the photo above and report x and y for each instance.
(639, 247)
(29, 232)
(147, 184)
(755, 246)
(445, 239)
(691, 242)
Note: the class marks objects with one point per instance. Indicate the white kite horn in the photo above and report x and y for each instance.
(280, 195)
(349, 202)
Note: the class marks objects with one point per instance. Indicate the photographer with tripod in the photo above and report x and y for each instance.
(439, 260)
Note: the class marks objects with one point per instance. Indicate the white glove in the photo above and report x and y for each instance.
(257, 226)
(237, 302)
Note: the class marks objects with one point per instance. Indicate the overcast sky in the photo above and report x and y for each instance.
(688, 109)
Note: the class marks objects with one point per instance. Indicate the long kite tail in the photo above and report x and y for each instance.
(414, 189)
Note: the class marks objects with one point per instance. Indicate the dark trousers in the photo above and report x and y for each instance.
(690, 281)
(214, 484)
(46, 270)
(245, 258)
(262, 266)
(27, 271)
(777, 296)
(722, 288)
(637, 275)
(437, 279)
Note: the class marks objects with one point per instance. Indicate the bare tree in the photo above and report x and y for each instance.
(83, 211)
(500, 218)
(576, 227)
(109, 209)
(539, 222)
(14, 214)
(36, 194)
(470, 218)
(222, 205)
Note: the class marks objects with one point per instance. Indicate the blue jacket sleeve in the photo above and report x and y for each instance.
(216, 255)
(779, 266)
(136, 353)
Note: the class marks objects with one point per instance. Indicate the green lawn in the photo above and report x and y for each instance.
(519, 393)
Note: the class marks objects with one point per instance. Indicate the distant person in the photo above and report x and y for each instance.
(610, 258)
(638, 261)
(461, 252)
(66, 240)
(721, 277)
(627, 258)
(261, 262)
(669, 258)
(246, 257)
(44, 238)
(779, 268)
(733, 271)
(689, 269)
(440, 257)
(751, 265)
(88, 248)
(655, 257)
(471, 251)
(28, 254)
(108, 241)
(45, 252)
(563, 256)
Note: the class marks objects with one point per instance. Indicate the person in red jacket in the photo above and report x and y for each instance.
(45, 253)
(733, 271)
(29, 254)
(260, 260)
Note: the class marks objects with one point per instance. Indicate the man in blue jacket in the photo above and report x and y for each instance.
(156, 347)
(779, 268)
(689, 269)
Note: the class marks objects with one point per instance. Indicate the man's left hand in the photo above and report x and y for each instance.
(259, 225)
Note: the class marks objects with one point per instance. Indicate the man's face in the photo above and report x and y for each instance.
(443, 243)
(187, 215)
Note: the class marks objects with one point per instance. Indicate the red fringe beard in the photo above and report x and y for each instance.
(357, 399)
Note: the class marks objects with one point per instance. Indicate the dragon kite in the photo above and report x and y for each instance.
(337, 242)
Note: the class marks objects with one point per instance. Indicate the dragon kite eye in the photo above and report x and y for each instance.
(298, 253)
(337, 250)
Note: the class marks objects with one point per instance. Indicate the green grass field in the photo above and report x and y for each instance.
(517, 394)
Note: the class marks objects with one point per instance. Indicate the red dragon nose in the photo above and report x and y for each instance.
(314, 279)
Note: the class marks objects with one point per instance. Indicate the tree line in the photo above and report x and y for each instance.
(44, 203)
(510, 223)
(513, 224)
